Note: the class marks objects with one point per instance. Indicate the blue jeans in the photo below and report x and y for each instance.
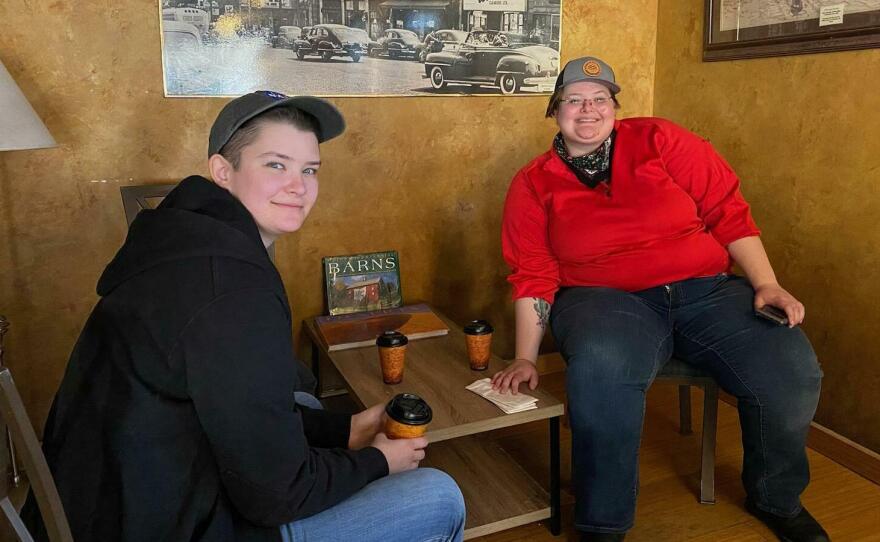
(421, 505)
(614, 342)
(307, 399)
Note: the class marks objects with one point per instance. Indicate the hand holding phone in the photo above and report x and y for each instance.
(774, 314)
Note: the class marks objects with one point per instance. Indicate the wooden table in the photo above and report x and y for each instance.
(498, 493)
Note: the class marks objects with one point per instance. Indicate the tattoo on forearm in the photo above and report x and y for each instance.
(543, 310)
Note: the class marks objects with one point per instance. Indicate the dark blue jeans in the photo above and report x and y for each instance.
(614, 342)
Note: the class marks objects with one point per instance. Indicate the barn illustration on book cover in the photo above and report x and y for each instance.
(362, 282)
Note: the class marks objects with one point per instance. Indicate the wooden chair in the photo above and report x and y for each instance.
(14, 416)
(686, 375)
(148, 196)
(145, 196)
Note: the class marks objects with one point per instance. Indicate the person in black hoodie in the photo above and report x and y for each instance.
(176, 417)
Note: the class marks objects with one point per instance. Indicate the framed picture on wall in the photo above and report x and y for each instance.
(736, 29)
(360, 47)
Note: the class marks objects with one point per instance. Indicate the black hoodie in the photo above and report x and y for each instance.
(175, 419)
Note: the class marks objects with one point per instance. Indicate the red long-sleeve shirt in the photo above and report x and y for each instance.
(671, 209)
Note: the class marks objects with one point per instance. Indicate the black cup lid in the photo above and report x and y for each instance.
(478, 327)
(409, 409)
(391, 338)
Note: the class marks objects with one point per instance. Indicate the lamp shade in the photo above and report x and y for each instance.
(20, 127)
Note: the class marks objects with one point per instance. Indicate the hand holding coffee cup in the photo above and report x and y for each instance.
(479, 343)
(408, 416)
(392, 356)
(401, 454)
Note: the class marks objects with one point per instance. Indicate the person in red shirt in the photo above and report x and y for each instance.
(621, 237)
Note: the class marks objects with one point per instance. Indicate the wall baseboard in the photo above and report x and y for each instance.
(834, 446)
(852, 455)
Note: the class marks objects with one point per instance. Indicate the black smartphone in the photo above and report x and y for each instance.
(774, 314)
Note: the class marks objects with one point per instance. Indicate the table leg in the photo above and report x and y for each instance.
(555, 519)
(316, 370)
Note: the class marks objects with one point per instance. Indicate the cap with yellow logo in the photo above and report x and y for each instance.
(588, 68)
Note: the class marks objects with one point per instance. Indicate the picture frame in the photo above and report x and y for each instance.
(741, 29)
(360, 48)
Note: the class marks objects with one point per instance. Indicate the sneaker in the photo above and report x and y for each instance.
(801, 528)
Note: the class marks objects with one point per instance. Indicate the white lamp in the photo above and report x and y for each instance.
(20, 127)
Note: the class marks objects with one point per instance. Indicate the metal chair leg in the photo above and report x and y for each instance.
(684, 410)
(555, 517)
(710, 427)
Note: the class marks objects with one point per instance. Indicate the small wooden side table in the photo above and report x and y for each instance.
(498, 493)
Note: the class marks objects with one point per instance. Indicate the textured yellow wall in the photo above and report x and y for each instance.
(424, 176)
(803, 132)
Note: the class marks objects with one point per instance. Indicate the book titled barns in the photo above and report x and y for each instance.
(362, 282)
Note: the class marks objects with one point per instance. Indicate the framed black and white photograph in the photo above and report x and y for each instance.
(360, 47)
(737, 29)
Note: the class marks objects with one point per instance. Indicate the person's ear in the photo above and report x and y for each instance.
(221, 170)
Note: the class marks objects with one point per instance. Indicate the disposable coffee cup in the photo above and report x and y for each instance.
(408, 416)
(392, 355)
(478, 334)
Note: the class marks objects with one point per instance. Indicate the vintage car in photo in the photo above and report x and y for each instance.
(500, 39)
(286, 37)
(329, 40)
(438, 40)
(397, 43)
(497, 59)
(196, 65)
(183, 55)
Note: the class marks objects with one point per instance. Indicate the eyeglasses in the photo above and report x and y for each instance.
(576, 102)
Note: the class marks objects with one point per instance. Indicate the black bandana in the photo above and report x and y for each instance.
(591, 169)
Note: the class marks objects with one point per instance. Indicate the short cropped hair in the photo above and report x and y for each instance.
(249, 131)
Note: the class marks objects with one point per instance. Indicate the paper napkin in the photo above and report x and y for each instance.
(507, 402)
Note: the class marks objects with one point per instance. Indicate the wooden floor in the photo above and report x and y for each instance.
(847, 505)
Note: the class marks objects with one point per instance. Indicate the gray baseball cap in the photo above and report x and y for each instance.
(588, 68)
(242, 109)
